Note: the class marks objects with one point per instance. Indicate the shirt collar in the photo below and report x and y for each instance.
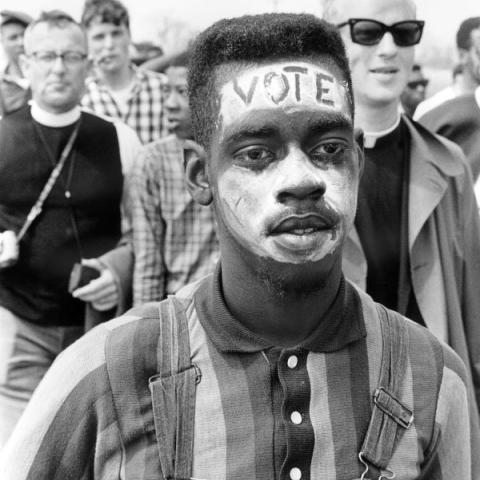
(370, 138)
(55, 120)
(138, 76)
(341, 325)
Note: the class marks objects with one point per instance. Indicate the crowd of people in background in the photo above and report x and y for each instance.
(224, 193)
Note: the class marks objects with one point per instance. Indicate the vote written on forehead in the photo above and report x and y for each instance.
(289, 84)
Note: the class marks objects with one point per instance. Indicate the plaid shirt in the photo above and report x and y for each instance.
(174, 237)
(244, 427)
(145, 105)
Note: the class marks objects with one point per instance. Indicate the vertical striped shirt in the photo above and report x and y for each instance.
(144, 111)
(174, 237)
(262, 412)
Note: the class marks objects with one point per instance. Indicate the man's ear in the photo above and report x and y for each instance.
(196, 174)
(358, 134)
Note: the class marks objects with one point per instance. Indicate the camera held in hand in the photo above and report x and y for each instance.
(8, 249)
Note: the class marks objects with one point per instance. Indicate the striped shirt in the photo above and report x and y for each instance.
(144, 111)
(261, 412)
(174, 237)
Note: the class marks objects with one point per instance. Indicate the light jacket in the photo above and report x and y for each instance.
(443, 243)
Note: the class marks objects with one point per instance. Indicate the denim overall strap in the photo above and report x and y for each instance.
(173, 392)
(390, 417)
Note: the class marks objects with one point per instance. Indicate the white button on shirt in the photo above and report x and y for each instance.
(296, 418)
(292, 361)
(295, 473)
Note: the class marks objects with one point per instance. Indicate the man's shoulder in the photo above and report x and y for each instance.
(446, 155)
(425, 352)
(457, 110)
(149, 76)
(435, 100)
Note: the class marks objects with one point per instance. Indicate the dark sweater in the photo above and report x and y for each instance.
(36, 287)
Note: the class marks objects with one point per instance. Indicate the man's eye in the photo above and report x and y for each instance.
(328, 151)
(254, 155)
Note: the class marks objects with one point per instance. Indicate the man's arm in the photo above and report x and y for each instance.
(468, 212)
(70, 421)
(113, 287)
(148, 230)
(455, 444)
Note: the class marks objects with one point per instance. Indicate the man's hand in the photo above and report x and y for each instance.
(102, 292)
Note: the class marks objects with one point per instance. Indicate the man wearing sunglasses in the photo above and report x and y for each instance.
(415, 90)
(416, 242)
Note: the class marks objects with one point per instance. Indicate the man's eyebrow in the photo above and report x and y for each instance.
(250, 131)
(330, 122)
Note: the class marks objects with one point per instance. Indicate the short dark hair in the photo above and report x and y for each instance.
(464, 39)
(105, 11)
(251, 39)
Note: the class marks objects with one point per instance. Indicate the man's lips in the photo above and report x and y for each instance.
(305, 224)
(384, 70)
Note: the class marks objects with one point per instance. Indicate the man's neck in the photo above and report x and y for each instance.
(56, 119)
(376, 119)
(283, 318)
(117, 80)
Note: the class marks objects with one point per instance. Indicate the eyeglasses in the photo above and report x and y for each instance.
(69, 58)
(417, 83)
(370, 32)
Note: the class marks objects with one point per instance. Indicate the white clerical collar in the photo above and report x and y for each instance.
(50, 119)
(370, 138)
(477, 96)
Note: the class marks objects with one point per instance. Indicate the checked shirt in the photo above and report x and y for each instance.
(145, 105)
(174, 238)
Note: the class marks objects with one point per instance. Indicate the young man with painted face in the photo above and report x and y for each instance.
(267, 368)
(174, 239)
(14, 89)
(117, 88)
(416, 243)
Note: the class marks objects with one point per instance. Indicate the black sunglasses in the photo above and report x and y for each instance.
(370, 32)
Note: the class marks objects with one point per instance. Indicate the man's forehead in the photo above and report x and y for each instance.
(288, 85)
(42, 32)
(374, 9)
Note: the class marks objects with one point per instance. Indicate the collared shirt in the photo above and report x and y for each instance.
(261, 412)
(174, 238)
(144, 107)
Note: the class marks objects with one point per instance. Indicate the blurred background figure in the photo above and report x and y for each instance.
(466, 74)
(174, 237)
(14, 90)
(117, 88)
(415, 90)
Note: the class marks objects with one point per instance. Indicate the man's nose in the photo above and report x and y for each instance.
(387, 45)
(299, 179)
(171, 101)
(58, 64)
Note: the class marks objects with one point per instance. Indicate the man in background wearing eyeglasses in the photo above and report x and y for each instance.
(80, 216)
(416, 242)
(415, 90)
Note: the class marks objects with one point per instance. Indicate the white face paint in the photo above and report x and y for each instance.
(285, 168)
(289, 85)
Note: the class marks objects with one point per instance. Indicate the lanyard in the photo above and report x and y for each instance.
(37, 208)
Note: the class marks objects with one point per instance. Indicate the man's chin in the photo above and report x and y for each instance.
(287, 280)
